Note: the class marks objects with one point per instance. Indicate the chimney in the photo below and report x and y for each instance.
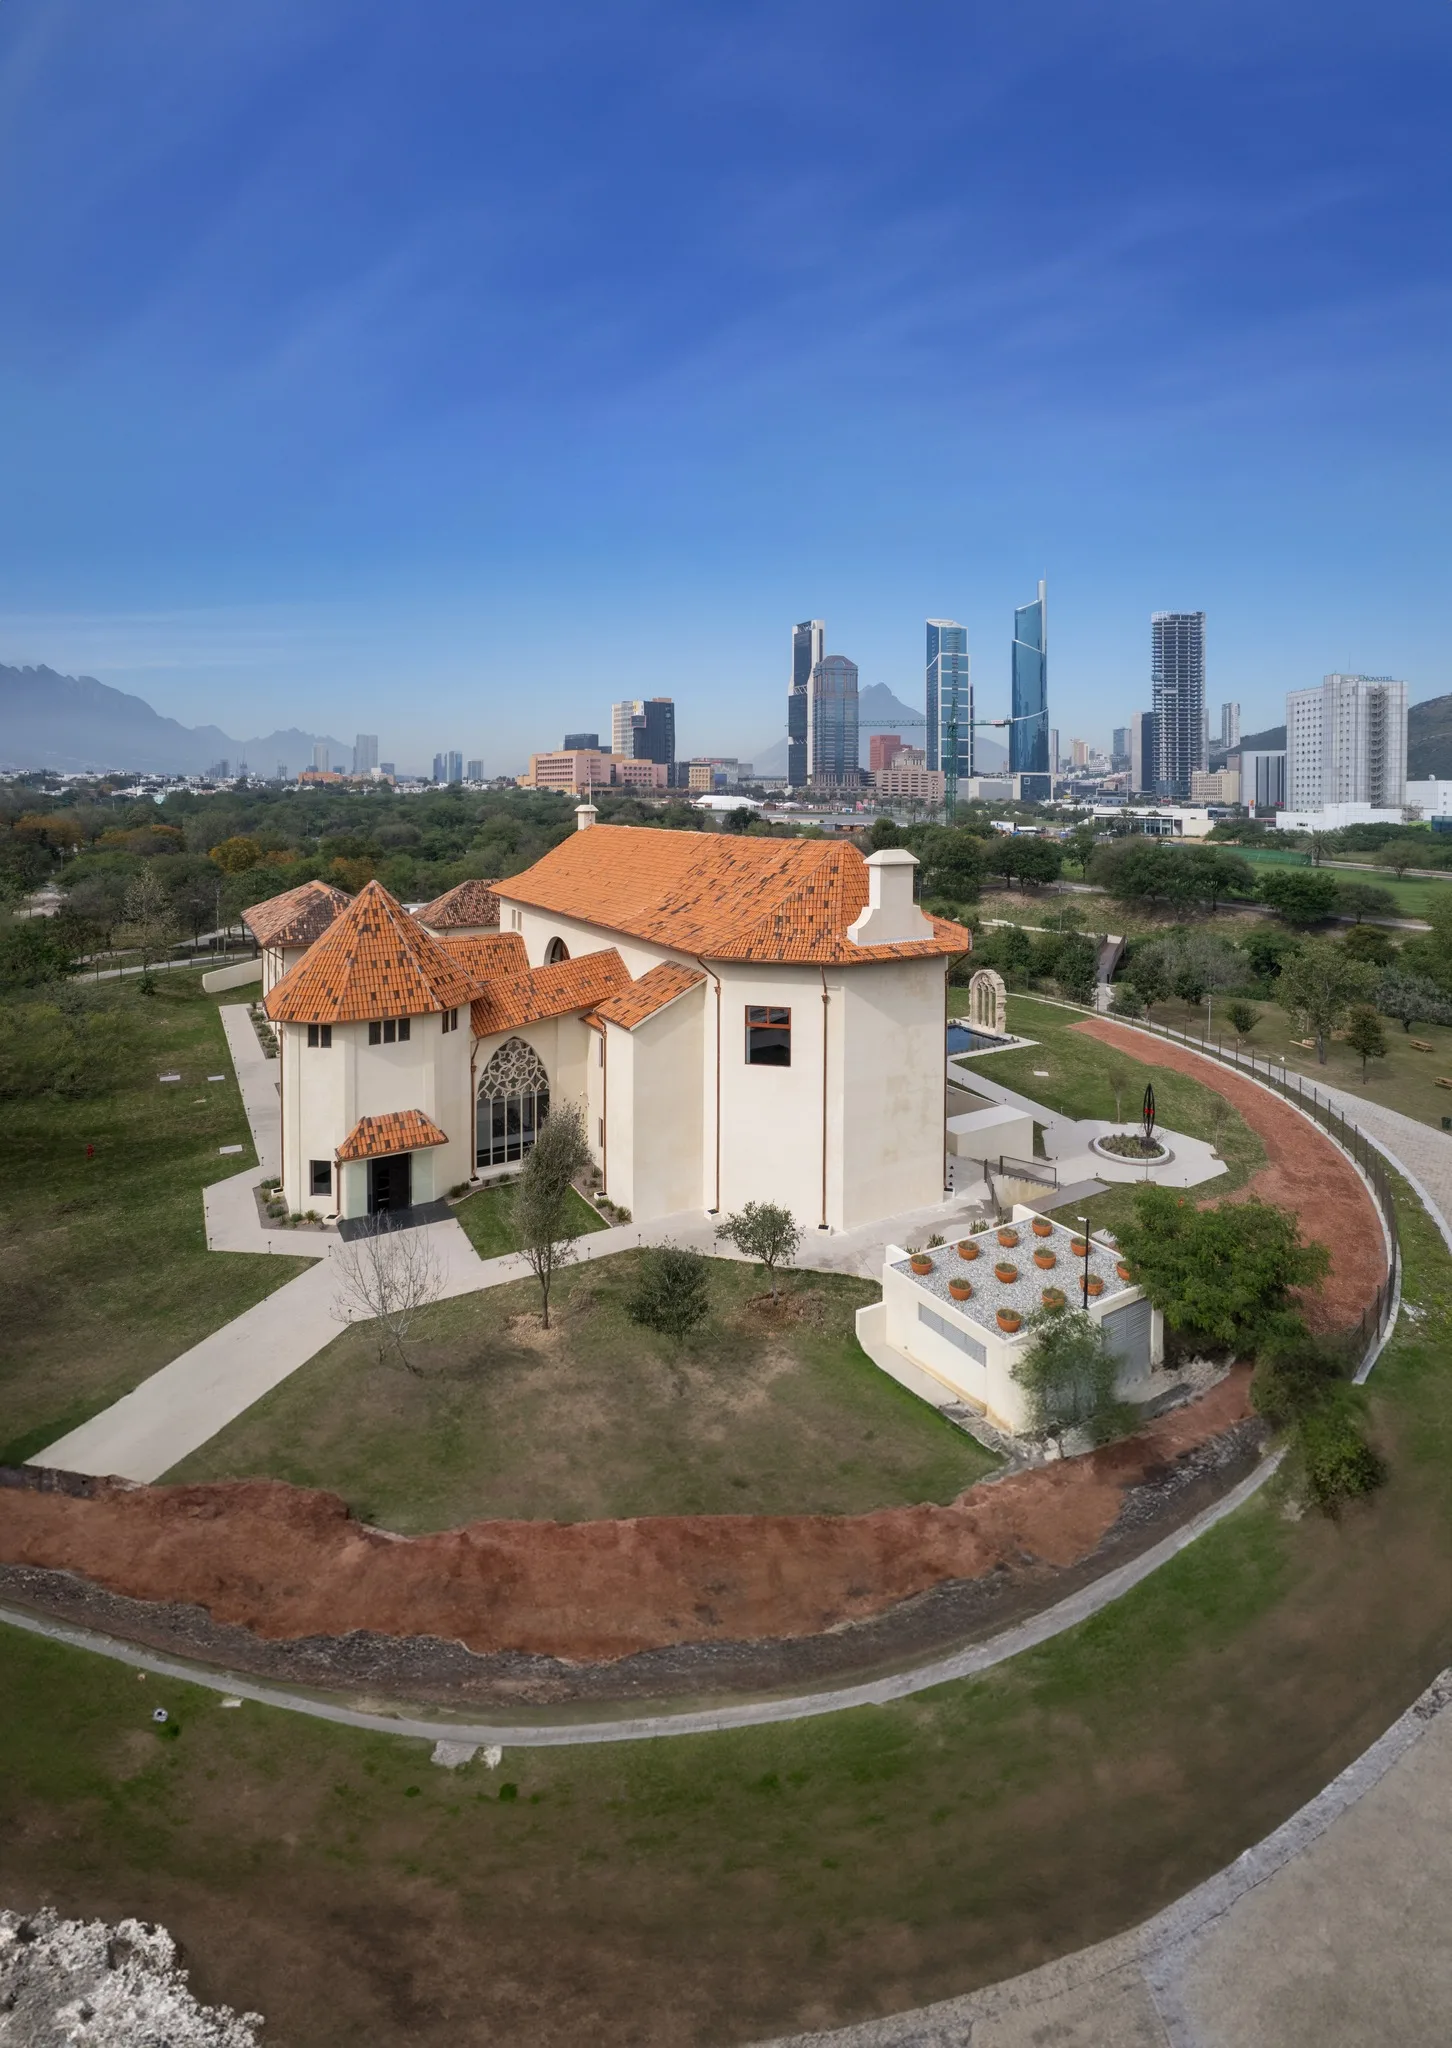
(891, 917)
(585, 816)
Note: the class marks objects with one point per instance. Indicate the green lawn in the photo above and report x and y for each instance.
(107, 1272)
(488, 1219)
(731, 1887)
(767, 1410)
(1412, 897)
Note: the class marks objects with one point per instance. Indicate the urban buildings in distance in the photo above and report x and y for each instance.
(832, 733)
(1346, 744)
(809, 644)
(1177, 676)
(1028, 735)
(949, 697)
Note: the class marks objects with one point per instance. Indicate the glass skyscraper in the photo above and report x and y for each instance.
(1178, 676)
(809, 640)
(1028, 736)
(832, 723)
(950, 696)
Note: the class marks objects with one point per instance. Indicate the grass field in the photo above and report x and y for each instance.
(488, 1220)
(1412, 897)
(106, 1267)
(766, 1410)
(726, 1888)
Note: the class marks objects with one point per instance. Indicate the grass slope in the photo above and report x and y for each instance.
(488, 1220)
(736, 1886)
(763, 1412)
(107, 1271)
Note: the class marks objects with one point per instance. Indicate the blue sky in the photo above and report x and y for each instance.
(449, 371)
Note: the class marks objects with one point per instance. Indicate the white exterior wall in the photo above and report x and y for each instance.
(538, 927)
(277, 961)
(769, 1135)
(325, 1090)
(653, 1079)
(888, 1089)
(1431, 797)
(1305, 778)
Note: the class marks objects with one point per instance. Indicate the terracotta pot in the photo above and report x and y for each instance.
(1006, 1273)
(967, 1249)
(1008, 1237)
(1123, 1271)
(1009, 1320)
(1053, 1297)
(1043, 1227)
(960, 1290)
(921, 1265)
(1078, 1247)
(1045, 1259)
(1094, 1284)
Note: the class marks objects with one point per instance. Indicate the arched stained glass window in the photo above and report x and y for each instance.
(514, 1100)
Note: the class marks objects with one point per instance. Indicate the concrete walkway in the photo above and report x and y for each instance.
(1067, 1141)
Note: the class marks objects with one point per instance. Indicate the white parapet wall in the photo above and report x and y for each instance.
(1000, 1131)
(238, 976)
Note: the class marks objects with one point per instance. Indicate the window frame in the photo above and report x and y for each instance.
(320, 1036)
(772, 1018)
(320, 1169)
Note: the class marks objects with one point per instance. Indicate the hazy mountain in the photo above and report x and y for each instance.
(1268, 742)
(879, 709)
(73, 722)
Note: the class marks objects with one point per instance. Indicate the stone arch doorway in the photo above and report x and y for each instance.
(514, 1100)
(988, 1002)
(555, 952)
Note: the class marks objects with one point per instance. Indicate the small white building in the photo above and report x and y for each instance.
(1334, 817)
(739, 1019)
(947, 1322)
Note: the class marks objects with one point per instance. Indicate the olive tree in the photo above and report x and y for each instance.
(1068, 1376)
(766, 1232)
(544, 1214)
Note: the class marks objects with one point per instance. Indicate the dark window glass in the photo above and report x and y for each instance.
(375, 1034)
(390, 1030)
(402, 1028)
(321, 1171)
(312, 1034)
(768, 1036)
(320, 1034)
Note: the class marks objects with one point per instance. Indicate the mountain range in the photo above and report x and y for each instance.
(73, 722)
(879, 710)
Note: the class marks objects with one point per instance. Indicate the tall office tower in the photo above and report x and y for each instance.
(440, 763)
(1055, 758)
(582, 743)
(1346, 743)
(950, 696)
(1229, 726)
(473, 771)
(809, 642)
(1142, 754)
(455, 765)
(320, 759)
(832, 724)
(1119, 747)
(644, 729)
(1079, 753)
(365, 753)
(1178, 675)
(883, 749)
(1028, 736)
(1263, 778)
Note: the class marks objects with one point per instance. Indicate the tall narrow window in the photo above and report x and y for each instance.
(768, 1036)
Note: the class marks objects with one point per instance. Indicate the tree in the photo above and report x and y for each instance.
(1319, 987)
(1119, 1076)
(1300, 897)
(1188, 981)
(1077, 968)
(1220, 1273)
(1322, 845)
(1241, 1018)
(34, 950)
(1365, 1035)
(150, 923)
(885, 833)
(1079, 847)
(1068, 1375)
(1364, 899)
(766, 1232)
(952, 862)
(1370, 942)
(1412, 999)
(671, 1293)
(1397, 856)
(101, 900)
(235, 855)
(1128, 1002)
(544, 1214)
(389, 1274)
(1147, 975)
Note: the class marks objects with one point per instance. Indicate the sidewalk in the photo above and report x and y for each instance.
(1067, 1141)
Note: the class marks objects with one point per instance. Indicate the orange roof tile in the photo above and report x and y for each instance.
(471, 903)
(373, 961)
(297, 916)
(578, 984)
(487, 955)
(401, 1130)
(719, 895)
(649, 993)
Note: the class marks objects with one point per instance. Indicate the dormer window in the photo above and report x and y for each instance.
(391, 1029)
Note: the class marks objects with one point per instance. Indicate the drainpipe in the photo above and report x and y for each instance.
(473, 1099)
(715, 1208)
(823, 1224)
(604, 1031)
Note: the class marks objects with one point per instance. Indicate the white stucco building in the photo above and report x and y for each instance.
(738, 1019)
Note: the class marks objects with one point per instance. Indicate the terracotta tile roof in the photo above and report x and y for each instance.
(487, 955)
(298, 916)
(651, 992)
(402, 1130)
(579, 984)
(373, 961)
(471, 903)
(718, 894)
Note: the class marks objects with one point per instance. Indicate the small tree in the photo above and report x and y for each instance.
(1397, 856)
(1128, 1002)
(1412, 999)
(150, 923)
(766, 1232)
(387, 1274)
(544, 1214)
(1147, 974)
(1119, 1076)
(1225, 1272)
(1365, 1035)
(1241, 1018)
(1189, 982)
(1364, 899)
(671, 1293)
(1319, 987)
(1068, 1374)
(1302, 898)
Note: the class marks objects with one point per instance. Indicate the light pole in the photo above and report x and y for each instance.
(1084, 1233)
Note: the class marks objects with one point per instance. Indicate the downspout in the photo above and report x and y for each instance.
(823, 1224)
(604, 1107)
(715, 1209)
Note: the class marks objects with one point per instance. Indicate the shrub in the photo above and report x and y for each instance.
(1223, 1272)
(671, 1291)
(1068, 1374)
(1331, 1454)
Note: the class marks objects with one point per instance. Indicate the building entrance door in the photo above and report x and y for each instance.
(390, 1182)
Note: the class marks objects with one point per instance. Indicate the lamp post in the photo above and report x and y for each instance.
(1084, 1233)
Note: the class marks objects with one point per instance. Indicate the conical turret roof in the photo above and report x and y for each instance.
(373, 961)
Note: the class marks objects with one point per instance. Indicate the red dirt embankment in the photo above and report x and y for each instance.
(288, 1563)
(1304, 1171)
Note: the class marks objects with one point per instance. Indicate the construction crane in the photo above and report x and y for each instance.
(950, 745)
